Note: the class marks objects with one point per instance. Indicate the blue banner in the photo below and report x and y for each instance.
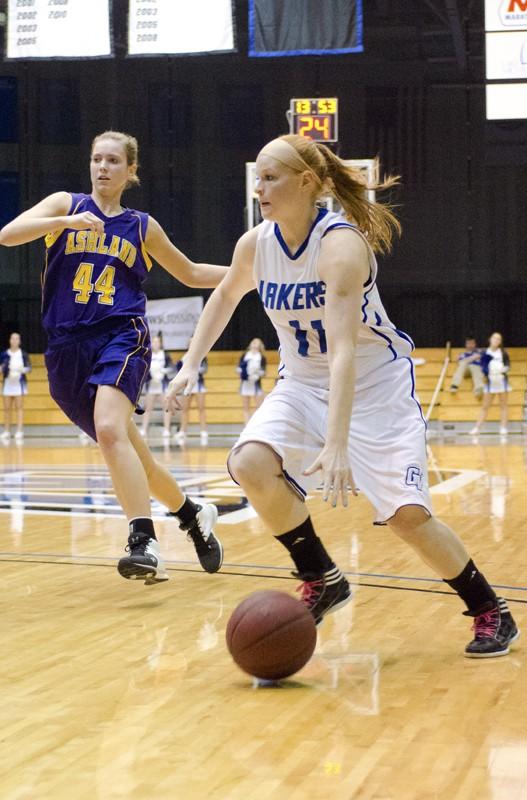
(304, 27)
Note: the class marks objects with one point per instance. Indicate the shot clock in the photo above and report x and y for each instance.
(315, 118)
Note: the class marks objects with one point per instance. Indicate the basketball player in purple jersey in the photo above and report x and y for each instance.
(345, 408)
(98, 255)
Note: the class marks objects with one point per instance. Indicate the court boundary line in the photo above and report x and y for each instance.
(245, 575)
(170, 564)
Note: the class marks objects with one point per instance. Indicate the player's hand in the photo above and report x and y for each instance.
(182, 384)
(85, 222)
(336, 474)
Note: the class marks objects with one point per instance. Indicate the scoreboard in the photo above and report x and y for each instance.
(315, 117)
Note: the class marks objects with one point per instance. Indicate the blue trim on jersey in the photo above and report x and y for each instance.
(293, 482)
(366, 282)
(366, 301)
(414, 398)
(338, 225)
(321, 214)
(378, 318)
(405, 336)
(386, 339)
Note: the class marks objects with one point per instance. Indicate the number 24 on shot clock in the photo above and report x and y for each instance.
(315, 118)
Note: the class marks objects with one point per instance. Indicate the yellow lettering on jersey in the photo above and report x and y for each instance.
(130, 261)
(80, 239)
(101, 247)
(127, 253)
(91, 242)
(82, 285)
(125, 249)
(104, 286)
(114, 246)
(70, 244)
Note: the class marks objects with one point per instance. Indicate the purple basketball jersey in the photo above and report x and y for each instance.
(89, 277)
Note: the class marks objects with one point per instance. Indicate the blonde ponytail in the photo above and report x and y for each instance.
(349, 186)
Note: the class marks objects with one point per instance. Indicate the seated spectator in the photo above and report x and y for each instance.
(469, 361)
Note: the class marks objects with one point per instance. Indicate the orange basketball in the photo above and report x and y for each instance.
(271, 635)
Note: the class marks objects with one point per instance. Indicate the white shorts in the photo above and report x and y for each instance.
(13, 388)
(498, 384)
(251, 389)
(387, 441)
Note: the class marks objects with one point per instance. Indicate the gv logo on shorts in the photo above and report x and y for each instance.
(414, 476)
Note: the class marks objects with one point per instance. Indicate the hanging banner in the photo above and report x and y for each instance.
(304, 27)
(58, 29)
(175, 318)
(176, 27)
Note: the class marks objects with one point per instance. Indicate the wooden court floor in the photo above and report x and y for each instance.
(112, 690)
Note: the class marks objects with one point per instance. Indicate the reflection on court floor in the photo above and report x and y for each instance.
(85, 488)
(88, 489)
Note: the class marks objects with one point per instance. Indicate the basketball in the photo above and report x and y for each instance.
(271, 635)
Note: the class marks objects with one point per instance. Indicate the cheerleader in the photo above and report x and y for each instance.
(15, 365)
(251, 369)
(156, 385)
(495, 363)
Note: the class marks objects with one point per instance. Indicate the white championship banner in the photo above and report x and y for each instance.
(175, 319)
(171, 27)
(58, 29)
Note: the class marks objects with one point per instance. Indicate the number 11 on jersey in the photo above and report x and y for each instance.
(301, 336)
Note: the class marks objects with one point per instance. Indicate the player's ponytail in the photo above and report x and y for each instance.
(347, 184)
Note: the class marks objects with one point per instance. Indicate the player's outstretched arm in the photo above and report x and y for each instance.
(159, 246)
(48, 216)
(237, 282)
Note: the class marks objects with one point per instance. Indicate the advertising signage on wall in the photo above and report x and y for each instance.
(506, 58)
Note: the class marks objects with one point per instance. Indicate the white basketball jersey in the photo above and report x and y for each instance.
(293, 296)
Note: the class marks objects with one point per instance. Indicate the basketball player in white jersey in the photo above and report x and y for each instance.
(346, 410)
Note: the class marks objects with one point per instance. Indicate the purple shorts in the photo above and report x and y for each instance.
(102, 356)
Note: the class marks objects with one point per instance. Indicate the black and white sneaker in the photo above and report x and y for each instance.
(144, 561)
(200, 531)
(323, 594)
(494, 630)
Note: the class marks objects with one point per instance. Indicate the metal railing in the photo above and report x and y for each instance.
(440, 380)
